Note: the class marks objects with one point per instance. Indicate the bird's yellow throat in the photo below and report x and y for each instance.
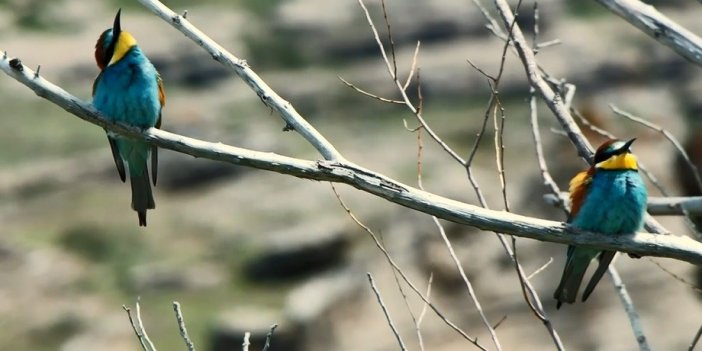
(125, 42)
(623, 161)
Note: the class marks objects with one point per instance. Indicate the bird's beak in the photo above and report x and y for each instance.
(116, 27)
(627, 145)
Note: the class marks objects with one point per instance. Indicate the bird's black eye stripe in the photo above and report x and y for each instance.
(110, 50)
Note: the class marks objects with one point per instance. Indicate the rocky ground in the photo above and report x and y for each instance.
(242, 249)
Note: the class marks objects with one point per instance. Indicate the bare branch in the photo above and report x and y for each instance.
(634, 318)
(392, 263)
(423, 313)
(403, 92)
(138, 328)
(292, 118)
(245, 345)
(385, 312)
(658, 26)
(369, 94)
(541, 269)
(668, 135)
(690, 285)
(269, 336)
(181, 326)
(695, 340)
(553, 100)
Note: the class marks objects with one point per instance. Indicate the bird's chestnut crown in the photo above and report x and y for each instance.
(113, 44)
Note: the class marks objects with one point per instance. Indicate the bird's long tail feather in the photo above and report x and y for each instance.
(142, 196)
(573, 274)
(605, 258)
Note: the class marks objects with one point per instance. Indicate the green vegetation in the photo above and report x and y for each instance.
(34, 128)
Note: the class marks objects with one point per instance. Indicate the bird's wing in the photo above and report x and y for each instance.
(154, 149)
(605, 258)
(113, 144)
(578, 187)
(118, 159)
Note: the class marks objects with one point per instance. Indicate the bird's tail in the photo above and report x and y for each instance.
(142, 196)
(605, 258)
(573, 274)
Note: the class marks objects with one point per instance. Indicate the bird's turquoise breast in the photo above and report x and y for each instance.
(615, 203)
(127, 91)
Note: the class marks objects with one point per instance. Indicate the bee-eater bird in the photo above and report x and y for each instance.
(608, 198)
(129, 90)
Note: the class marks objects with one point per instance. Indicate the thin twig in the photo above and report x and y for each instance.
(138, 331)
(181, 326)
(529, 293)
(634, 318)
(423, 313)
(385, 312)
(141, 327)
(366, 93)
(412, 67)
(471, 291)
(269, 337)
(541, 269)
(668, 135)
(392, 43)
(695, 340)
(241, 68)
(402, 91)
(692, 286)
(394, 265)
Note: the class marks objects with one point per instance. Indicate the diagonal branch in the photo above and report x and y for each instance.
(661, 28)
(554, 101)
(269, 97)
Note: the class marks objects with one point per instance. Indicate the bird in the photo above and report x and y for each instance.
(129, 90)
(608, 198)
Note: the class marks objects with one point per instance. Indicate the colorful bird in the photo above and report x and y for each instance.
(608, 198)
(129, 90)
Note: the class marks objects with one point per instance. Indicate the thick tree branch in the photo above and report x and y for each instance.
(658, 26)
(677, 247)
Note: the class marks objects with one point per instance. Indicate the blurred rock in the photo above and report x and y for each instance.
(164, 277)
(299, 252)
(338, 34)
(183, 173)
(52, 269)
(110, 332)
(229, 328)
(60, 326)
(315, 304)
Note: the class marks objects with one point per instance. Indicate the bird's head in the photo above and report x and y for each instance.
(113, 44)
(615, 155)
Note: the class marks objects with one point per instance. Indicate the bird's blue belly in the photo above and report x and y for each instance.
(128, 93)
(615, 203)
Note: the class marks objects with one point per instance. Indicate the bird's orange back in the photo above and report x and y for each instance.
(578, 188)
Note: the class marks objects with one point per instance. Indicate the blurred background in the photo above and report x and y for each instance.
(242, 249)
